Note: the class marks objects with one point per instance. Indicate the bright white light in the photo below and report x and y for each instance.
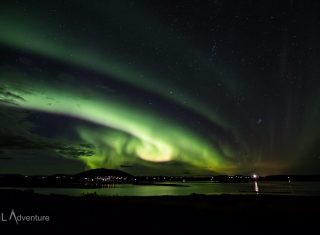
(254, 176)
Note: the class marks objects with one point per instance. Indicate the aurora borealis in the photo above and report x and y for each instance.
(160, 87)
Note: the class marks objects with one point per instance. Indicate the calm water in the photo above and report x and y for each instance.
(276, 188)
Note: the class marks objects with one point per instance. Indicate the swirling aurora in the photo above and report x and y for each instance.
(135, 89)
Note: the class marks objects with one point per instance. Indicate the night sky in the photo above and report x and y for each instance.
(160, 87)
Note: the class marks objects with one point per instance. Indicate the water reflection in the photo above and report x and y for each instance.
(256, 187)
(208, 188)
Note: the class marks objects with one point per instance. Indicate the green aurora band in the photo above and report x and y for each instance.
(30, 34)
(136, 134)
(217, 93)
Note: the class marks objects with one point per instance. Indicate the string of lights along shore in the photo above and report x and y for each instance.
(160, 87)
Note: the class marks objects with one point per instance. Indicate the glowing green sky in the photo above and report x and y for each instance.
(162, 88)
(136, 132)
(30, 34)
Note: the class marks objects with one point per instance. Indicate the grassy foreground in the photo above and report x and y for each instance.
(195, 214)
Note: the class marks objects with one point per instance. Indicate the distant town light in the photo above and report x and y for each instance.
(255, 176)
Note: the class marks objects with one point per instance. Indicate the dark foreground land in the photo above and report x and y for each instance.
(196, 214)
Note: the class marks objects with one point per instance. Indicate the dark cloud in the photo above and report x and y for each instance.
(126, 166)
(74, 151)
(22, 143)
(8, 97)
(14, 122)
(5, 158)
